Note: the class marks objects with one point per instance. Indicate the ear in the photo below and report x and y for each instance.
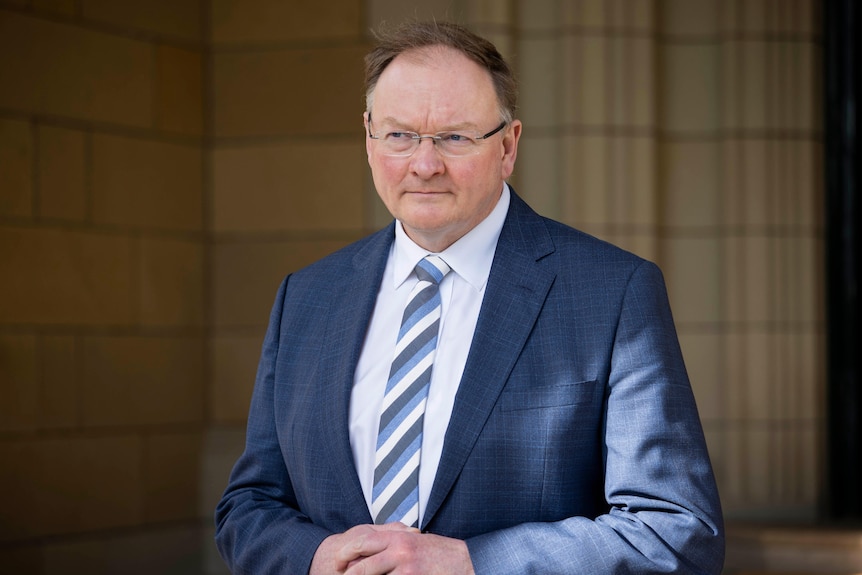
(510, 147)
(367, 134)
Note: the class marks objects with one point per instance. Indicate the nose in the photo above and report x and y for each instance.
(426, 161)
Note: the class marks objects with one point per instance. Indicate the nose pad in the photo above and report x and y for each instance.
(430, 141)
(432, 147)
(426, 161)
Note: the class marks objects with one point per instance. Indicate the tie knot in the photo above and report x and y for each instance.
(432, 269)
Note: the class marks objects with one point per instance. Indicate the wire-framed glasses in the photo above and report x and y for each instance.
(454, 143)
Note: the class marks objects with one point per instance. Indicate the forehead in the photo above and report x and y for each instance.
(435, 84)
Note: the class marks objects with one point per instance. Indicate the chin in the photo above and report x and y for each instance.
(424, 226)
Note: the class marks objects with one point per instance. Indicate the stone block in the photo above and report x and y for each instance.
(297, 187)
(146, 184)
(62, 174)
(19, 383)
(16, 167)
(65, 277)
(62, 70)
(182, 19)
(70, 485)
(179, 90)
(275, 21)
(289, 92)
(172, 283)
(133, 381)
(172, 476)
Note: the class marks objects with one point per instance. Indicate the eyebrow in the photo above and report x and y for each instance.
(389, 121)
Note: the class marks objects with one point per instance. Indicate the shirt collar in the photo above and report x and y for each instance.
(470, 257)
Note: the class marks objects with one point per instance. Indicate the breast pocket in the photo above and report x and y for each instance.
(548, 396)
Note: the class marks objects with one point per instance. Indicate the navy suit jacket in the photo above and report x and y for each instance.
(574, 444)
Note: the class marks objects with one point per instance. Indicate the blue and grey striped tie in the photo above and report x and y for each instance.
(396, 474)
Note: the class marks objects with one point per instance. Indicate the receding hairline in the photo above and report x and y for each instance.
(431, 56)
(421, 41)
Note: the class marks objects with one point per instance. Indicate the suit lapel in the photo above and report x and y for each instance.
(346, 323)
(516, 291)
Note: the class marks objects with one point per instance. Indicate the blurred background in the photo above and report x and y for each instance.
(163, 164)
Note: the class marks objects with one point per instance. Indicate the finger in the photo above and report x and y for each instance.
(379, 564)
(362, 545)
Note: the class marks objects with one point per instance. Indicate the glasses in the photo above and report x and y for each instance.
(453, 144)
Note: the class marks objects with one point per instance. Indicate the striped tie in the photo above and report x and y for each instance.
(395, 495)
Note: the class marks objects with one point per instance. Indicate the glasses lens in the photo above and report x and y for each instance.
(456, 144)
(400, 143)
(452, 144)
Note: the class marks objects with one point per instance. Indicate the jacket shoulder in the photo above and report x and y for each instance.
(367, 253)
(546, 237)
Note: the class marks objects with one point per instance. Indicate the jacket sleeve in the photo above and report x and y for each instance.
(259, 528)
(664, 513)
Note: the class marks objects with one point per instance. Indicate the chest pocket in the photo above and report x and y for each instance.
(547, 396)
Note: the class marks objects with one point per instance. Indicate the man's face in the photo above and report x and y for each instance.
(437, 198)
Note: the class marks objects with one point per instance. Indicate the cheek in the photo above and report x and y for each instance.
(388, 170)
(474, 176)
(379, 173)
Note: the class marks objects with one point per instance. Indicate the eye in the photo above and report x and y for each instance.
(456, 138)
(395, 136)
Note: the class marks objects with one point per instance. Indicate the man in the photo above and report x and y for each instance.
(553, 428)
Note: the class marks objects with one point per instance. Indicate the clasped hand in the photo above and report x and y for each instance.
(392, 549)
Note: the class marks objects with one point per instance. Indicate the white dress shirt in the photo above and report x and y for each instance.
(461, 292)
